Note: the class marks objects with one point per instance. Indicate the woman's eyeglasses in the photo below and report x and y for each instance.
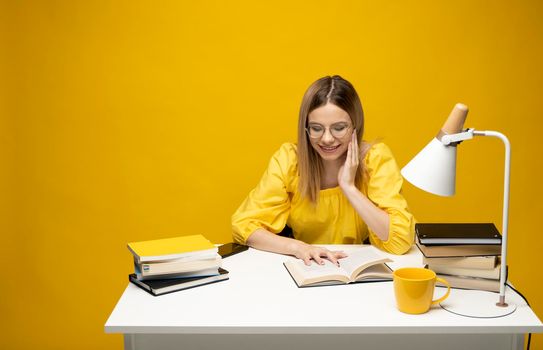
(338, 130)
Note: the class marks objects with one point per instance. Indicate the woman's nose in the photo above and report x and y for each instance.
(327, 137)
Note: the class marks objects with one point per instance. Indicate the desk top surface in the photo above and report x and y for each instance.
(261, 298)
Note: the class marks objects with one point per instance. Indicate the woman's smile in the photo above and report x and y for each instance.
(329, 149)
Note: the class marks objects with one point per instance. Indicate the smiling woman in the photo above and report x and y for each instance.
(327, 188)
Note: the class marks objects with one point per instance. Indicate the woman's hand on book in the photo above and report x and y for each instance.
(307, 252)
(265, 240)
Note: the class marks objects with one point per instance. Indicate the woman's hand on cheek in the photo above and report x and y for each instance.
(347, 172)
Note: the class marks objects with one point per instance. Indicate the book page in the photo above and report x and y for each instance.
(375, 272)
(305, 275)
(361, 258)
(316, 270)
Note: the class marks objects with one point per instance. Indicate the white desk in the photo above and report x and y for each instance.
(260, 307)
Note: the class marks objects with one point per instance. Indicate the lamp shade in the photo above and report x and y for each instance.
(433, 169)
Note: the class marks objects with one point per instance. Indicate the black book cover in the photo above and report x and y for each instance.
(163, 286)
(457, 233)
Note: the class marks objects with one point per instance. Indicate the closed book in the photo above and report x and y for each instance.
(178, 266)
(171, 248)
(458, 233)
(195, 256)
(159, 287)
(491, 285)
(465, 272)
(460, 250)
(470, 262)
(189, 274)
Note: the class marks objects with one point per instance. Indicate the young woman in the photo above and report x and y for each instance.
(326, 188)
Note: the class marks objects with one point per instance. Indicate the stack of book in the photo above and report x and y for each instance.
(171, 264)
(466, 255)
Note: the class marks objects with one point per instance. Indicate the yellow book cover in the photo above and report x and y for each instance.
(171, 248)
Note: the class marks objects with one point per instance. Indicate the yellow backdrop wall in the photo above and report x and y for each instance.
(128, 120)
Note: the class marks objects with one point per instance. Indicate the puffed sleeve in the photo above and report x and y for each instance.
(384, 190)
(268, 205)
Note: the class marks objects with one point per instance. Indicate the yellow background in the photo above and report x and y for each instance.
(124, 120)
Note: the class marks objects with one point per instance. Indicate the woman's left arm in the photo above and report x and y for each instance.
(377, 219)
(383, 208)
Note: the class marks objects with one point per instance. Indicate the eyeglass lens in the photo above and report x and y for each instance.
(337, 130)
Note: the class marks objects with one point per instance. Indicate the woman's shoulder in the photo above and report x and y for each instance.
(286, 158)
(376, 152)
(289, 147)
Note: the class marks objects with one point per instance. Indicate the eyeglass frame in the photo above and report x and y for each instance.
(349, 126)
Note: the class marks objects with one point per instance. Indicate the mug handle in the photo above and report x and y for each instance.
(439, 279)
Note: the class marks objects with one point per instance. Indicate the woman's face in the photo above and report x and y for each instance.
(330, 129)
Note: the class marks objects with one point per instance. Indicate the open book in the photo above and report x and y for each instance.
(364, 264)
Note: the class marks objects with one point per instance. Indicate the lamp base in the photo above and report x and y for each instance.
(477, 304)
(502, 302)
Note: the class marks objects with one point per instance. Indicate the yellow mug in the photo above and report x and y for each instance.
(414, 289)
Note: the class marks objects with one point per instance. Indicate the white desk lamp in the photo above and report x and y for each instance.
(434, 170)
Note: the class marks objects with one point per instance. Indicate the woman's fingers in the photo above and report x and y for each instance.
(334, 256)
(340, 254)
(353, 140)
(312, 253)
(349, 152)
(307, 259)
(317, 257)
(355, 149)
(331, 256)
(320, 253)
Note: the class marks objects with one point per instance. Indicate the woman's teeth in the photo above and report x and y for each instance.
(329, 149)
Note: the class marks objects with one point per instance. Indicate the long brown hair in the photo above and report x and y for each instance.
(341, 93)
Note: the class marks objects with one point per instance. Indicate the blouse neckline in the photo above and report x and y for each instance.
(330, 191)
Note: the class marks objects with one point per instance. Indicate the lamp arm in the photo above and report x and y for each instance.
(506, 178)
(454, 139)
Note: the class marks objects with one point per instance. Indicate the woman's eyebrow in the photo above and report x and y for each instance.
(336, 123)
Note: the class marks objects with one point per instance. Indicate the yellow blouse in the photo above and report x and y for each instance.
(276, 201)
